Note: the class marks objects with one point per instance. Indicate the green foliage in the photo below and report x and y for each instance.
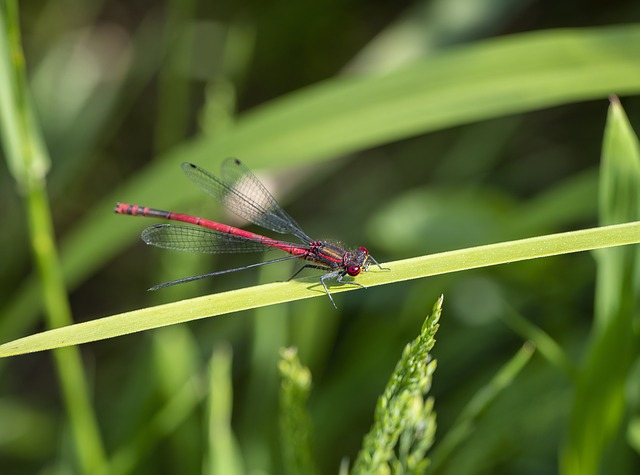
(471, 415)
(599, 413)
(404, 423)
(453, 125)
(339, 117)
(29, 162)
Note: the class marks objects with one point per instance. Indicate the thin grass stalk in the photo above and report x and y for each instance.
(29, 163)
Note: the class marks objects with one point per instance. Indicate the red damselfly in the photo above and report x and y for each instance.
(242, 193)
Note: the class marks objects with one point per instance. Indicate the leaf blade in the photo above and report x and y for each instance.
(280, 292)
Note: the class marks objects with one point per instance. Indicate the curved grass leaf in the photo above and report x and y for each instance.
(600, 403)
(269, 294)
(28, 162)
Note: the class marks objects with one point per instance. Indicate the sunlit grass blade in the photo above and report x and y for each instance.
(28, 161)
(269, 294)
(599, 407)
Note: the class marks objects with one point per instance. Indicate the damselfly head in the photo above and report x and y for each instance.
(356, 261)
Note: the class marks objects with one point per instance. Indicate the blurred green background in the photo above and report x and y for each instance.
(126, 91)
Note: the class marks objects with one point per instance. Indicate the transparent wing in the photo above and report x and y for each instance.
(192, 239)
(243, 194)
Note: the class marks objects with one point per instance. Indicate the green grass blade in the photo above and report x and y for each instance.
(26, 156)
(28, 161)
(269, 294)
(599, 407)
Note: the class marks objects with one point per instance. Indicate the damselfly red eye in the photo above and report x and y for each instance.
(353, 270)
